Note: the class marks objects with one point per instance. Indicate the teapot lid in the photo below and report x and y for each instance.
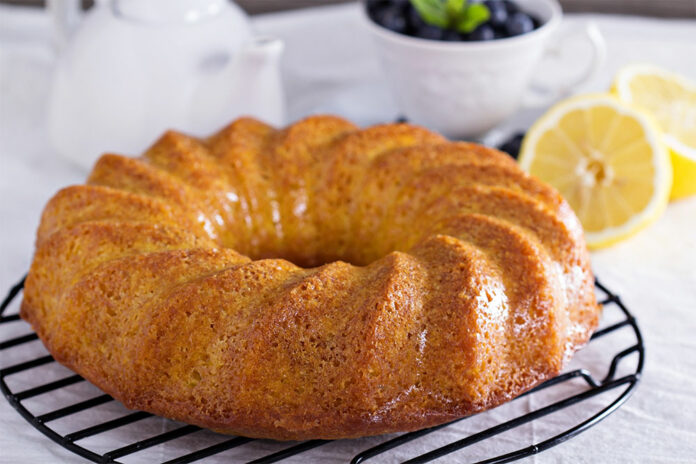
(168, 11)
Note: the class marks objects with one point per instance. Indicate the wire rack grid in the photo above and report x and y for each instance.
(590, 387)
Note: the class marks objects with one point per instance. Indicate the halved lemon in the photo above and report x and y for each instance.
(607, 159)
(671, 99)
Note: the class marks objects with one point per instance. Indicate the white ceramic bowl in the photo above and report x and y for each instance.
(463, 89)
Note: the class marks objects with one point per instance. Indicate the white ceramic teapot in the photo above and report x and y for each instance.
(134, 68)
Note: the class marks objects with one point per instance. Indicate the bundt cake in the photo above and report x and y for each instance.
(318, 281)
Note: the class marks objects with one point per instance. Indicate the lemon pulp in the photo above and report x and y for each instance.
(671, 99)
(606, 159)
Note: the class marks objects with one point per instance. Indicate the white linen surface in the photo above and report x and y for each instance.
(330, 66)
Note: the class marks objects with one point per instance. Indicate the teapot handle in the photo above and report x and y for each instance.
(65, 15)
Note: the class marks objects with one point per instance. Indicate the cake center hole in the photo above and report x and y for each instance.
(315, 252)
(308, 260)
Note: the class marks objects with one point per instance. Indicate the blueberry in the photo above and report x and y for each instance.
(430, 32)
(519, 23)
(512, 145)
(536, 21)
(373, 6)
(500, 33)
(498, 12)
(391, 17)
(483, 32)
(415, 21)
(450, 35)
(511, 7)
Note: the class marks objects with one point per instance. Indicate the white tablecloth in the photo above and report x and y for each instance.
(330, 66)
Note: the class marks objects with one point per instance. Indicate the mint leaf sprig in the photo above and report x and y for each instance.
(460, 15)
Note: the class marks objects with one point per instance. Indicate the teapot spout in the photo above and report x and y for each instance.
(262, 50)
(259, 84)
(249, 85)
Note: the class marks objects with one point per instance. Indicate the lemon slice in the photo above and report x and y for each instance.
(671, 99)
(606, 158)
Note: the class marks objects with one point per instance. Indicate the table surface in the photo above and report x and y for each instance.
(330, 66)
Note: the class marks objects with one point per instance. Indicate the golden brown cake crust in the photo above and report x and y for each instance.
(318, 281)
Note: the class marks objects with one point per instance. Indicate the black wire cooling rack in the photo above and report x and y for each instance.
(584, 386)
